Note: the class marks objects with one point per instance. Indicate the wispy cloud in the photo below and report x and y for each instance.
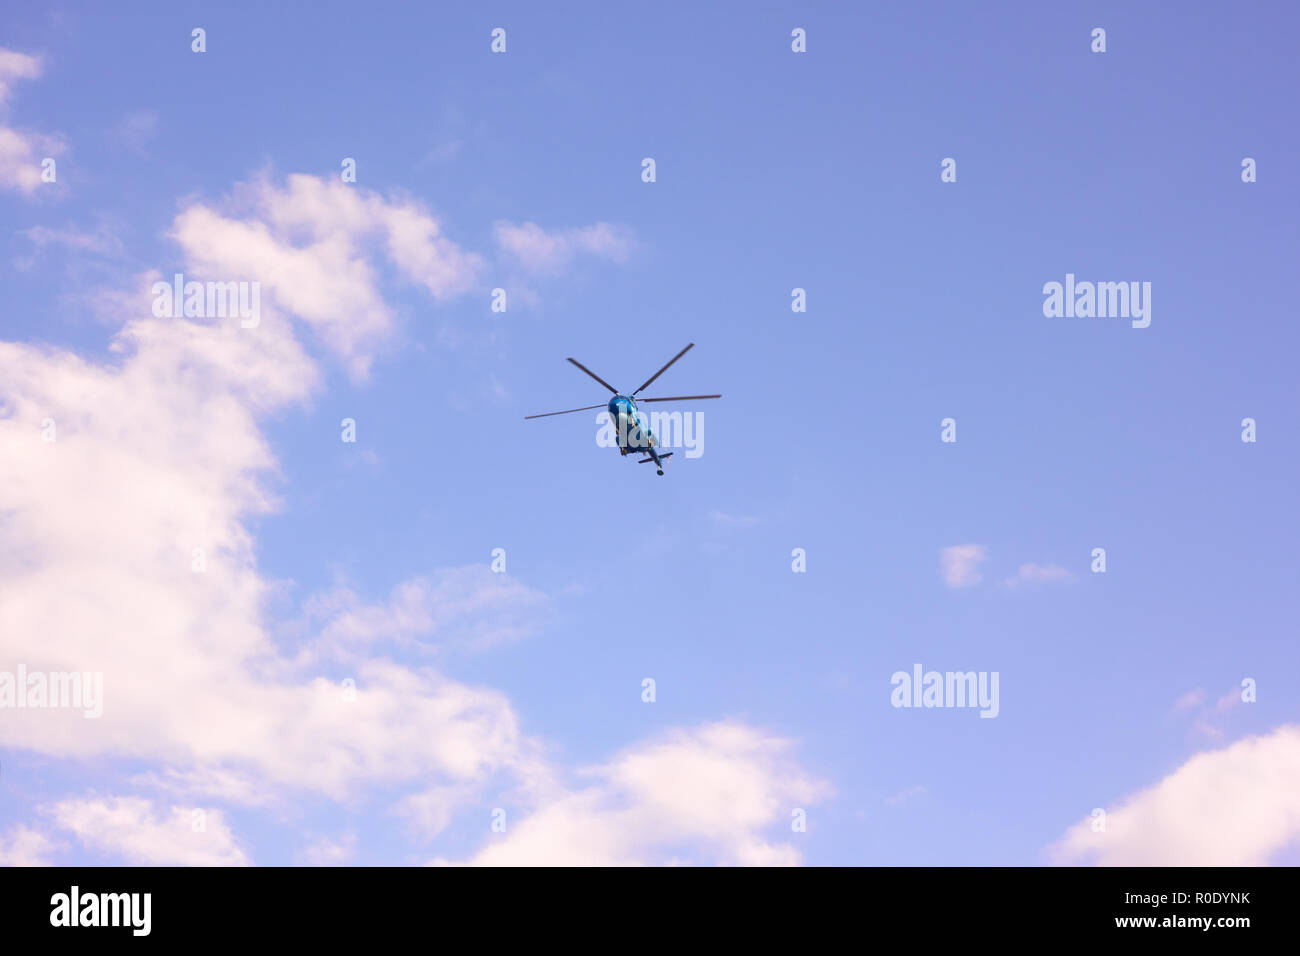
(21, 151)
(100, 240)
(470, 607)
(906, 795)
(959, 564)
(136, 130)
(441, 153)
(1208, 721)
(547, 253)
(725, 520)
(16, 66)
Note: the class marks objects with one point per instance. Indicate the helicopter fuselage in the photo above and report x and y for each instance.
(630, 424)
(633, 431)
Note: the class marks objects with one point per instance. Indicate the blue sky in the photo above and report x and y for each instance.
(775, 170)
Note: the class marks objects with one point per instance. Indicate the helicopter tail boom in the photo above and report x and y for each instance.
(658, 459)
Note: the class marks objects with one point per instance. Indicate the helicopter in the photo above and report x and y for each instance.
(634, 433)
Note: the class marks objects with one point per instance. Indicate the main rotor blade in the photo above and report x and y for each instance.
(665, 368)
(676, 398)
(567, 411)
(595, 376)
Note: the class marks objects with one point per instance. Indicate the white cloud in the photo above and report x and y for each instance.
(1238, 806)
(429, 811)
(16, 66)
(542, 252)
(154, 456)
(960, 563)
(306, 243)
(21, 154)
(134, 830)
(328, 851)
(722, 793)
(24, 846)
